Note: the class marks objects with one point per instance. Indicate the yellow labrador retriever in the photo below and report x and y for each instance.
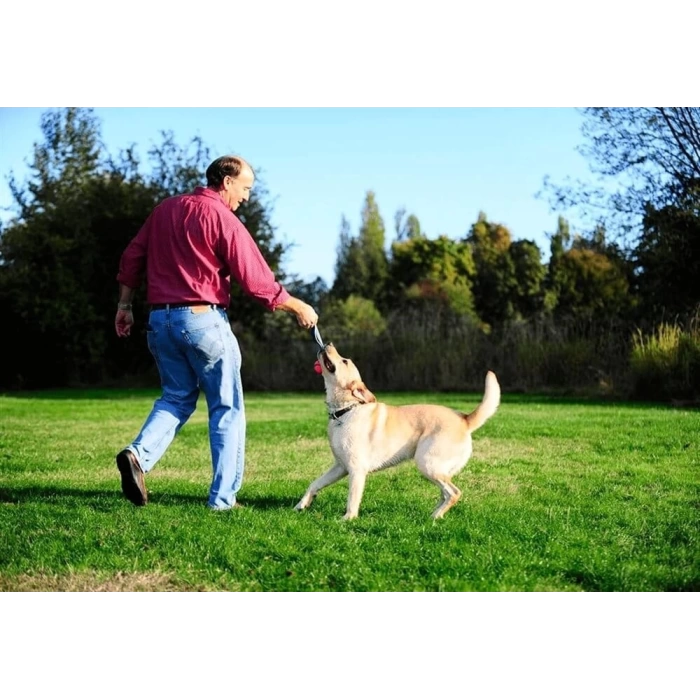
(366, 436)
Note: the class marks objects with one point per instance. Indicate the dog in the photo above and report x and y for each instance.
(366, 435)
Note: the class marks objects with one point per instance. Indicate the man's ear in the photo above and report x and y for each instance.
(363, 394)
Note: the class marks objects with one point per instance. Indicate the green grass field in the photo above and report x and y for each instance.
(560, 495)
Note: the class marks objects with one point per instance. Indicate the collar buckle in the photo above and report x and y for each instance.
(337, 414)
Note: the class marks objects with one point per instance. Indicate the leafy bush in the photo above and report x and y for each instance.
(665, 364)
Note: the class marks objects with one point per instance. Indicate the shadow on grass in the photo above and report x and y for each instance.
(106, 498)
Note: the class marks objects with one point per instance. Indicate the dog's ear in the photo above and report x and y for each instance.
(363, 394)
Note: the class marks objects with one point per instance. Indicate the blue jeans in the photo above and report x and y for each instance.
(195, 348)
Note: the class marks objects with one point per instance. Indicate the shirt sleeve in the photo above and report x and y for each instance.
(249, 268)
(132, 265)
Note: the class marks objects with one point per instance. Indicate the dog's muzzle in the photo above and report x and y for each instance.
(327, 362)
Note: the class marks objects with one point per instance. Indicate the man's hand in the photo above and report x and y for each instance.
(123, 323)
(306, 316)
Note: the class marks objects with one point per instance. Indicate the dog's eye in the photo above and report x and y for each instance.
(345, 362)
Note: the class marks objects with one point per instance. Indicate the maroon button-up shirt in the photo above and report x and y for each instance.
(189, 248)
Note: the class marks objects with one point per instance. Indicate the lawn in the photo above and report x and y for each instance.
(560, 495)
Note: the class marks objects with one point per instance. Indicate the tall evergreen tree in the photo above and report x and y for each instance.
(406, 227)
(350, 267)
(361, 266)
(559, 243)
(373, 253)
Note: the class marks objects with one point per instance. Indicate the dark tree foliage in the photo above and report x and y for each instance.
(587, 278)
(530, 273)
(495, 283)
(668, 260)
(643, 157)
(59, 255)
(647, 195)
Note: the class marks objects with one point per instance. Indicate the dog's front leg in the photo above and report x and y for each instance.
(335, 473)
(357, 486)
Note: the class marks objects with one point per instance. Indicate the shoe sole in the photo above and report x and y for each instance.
(235, 506)
(130, 473)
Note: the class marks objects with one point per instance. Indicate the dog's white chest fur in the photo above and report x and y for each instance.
(359, 440)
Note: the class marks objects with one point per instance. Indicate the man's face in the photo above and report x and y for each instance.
(237, 190)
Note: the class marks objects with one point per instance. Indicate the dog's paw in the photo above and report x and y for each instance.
(350, 516)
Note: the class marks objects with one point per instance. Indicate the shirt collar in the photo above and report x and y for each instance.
(211, 194)
(208, 192)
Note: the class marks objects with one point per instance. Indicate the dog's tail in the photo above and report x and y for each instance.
(488, 405)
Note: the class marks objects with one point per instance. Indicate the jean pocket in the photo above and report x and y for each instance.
(152, 340)
(207, 342)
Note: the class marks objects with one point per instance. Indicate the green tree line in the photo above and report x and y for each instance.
(423, 311)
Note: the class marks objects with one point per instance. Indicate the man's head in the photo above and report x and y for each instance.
(232, 178)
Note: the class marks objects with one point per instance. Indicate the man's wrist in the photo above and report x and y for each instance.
(124, 306)
(290, 306)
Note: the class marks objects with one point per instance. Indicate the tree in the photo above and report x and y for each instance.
(67, 159)
(354, 316)
(59, 256)
(350, 270)
(432, 271)
(372, 242)
(530, 274)
(587, 277)
(177, 169)
(495, 283)
(407, 227)
(49, 258)
(668, 260)
(651, 156)
(361, 265)
(559, 243)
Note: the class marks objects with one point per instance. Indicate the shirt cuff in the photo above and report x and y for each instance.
(281, 297)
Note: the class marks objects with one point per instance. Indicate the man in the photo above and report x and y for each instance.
(188, 250)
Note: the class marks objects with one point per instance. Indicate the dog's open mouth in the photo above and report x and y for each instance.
(327, 363)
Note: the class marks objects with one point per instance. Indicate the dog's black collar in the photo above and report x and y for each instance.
(336, 414)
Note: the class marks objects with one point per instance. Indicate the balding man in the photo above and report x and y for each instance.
(188, 250)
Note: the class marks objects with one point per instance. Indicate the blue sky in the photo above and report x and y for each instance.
(443, 165)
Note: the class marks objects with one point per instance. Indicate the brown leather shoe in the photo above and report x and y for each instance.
(133, 482)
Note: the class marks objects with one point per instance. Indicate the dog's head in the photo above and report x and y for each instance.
(343, 382)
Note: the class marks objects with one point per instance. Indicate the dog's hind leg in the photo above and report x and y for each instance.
(335, 473)
(450, 495)
(437, 465)
(357, 486)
